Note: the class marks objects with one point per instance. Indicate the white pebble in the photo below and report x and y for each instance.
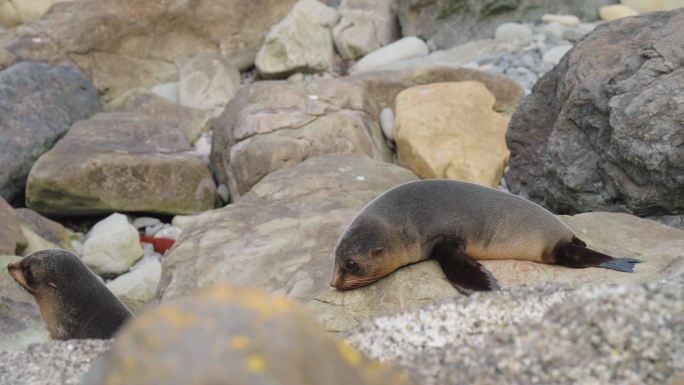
(387, 123)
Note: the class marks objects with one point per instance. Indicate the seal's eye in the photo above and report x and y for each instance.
(28, 275)
(351, 266)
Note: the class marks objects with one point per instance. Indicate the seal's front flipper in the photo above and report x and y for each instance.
(578, 255)
(464, 273)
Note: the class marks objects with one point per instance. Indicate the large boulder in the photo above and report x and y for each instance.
(119, 161)
(365, 26)
(279, 237)
(208, 82)
(12, 240)
(278, 124)
(38, 104)
(660, 247)
(108, 38)
(302, 42)
(450, 130)
(446, 23)
(233, 336)
(604, 129)
(604, 334)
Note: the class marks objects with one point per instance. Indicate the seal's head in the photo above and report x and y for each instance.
(36, 274)
(368, 250)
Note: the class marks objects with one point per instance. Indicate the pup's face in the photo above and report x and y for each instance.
(365, 253)
(31, 274)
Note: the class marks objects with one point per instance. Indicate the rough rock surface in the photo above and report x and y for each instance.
(38, 104)
(302, 42)
(446, 23)
(365, 26)
(50, 363)
(12, 240)
(208, 82)
(279, 237)
(660, 246)
(192, 122)
(273, 125)
(605, 129)
(450, 130)
(619, 334)
(107, 38)
(112, 246)
(120, 162)
(225, 335)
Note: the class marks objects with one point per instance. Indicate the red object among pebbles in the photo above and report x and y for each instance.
(160, 244)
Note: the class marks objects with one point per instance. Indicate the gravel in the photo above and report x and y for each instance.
(544, 335)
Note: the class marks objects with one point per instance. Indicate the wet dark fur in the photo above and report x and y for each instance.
(73, 296)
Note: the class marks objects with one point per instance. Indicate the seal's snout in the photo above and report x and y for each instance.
(337, 280)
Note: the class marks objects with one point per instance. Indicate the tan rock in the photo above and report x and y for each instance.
(365, 26)
(15, 12)
(644, 6)
(208, 82)
(12, 241)
(659, 246)
(617, 11)
(570, 20)
(108, 38)
(119, 161)
(280, 236)
(449, 130)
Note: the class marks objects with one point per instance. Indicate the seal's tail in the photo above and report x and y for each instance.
(578, 255)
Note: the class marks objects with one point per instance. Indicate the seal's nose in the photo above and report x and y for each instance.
(337, 279)
(12, 266)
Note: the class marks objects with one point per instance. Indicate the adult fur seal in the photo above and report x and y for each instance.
(73, 302)
(456, 223)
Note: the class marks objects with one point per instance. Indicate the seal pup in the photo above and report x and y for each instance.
(456, 223)
(73, 301)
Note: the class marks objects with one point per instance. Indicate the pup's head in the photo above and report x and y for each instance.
(42, 273)
(367, 251)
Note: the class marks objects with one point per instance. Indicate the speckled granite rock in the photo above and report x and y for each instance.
(620, 334)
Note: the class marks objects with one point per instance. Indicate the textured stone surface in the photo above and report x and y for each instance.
(251, 338)
(604, 130)
(302, 42)
(617, 334)
(57, 362)
(660, 246)
(450, 130)
(273, 125)
(365, 26)
(191, 121)
(108, 38)
(119, 161)
(279, 237)
(446, 23)
(112, 246)
(38, 104)
(208, 82)
(12, 241)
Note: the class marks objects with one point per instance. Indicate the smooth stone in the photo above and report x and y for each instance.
(403, 49)
(387, 123)
(142, 222)
(555, 54)
(134, 289)
(112, 246)
(617, 11)
(47, 229)
(168, 91)
(365, 26)
(207, 82)
(36, 242)
(569, 20)
(12, 240)
(645, 6)
(17, 12)
(553, 31)
(224, 193)
(513, 32)
(472, 147)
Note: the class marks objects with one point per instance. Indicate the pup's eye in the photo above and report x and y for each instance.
(28, 275)
(351, 266)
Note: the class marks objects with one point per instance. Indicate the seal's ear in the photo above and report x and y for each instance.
(52, 285)
(375, 253)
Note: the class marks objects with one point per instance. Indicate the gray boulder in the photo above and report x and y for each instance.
(604, 130)
(38, 104)
(446, 23)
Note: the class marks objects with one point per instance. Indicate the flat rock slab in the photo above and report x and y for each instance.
(120, 162)
(38, 104)
(280, 236)
(659, 246)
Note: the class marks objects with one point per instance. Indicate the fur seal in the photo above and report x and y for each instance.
(73, 301)
(456, 223)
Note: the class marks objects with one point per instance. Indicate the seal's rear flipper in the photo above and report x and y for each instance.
(578, 255)
(464, 273)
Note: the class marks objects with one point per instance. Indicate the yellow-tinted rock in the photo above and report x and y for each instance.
(450, 130)
(231, 336)
(570, 20)
(644, 6)
(617, 11)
